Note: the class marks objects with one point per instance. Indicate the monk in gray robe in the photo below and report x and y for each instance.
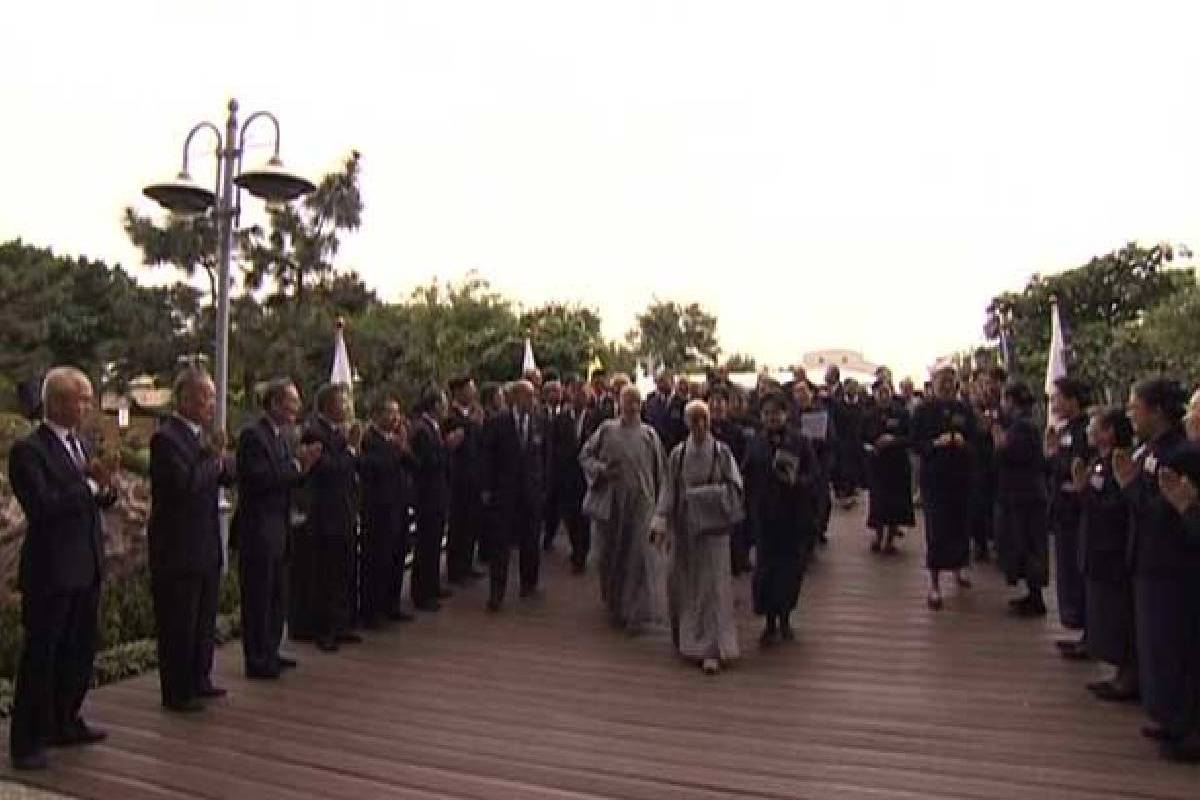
(623, 464)
(702, 475)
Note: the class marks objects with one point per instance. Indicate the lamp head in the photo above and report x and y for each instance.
(273, 183)
(181, 195)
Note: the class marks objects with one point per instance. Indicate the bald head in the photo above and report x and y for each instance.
(66, 396)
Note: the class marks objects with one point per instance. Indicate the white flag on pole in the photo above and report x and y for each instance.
(1056, 365)
(341, 372)
(527, 363)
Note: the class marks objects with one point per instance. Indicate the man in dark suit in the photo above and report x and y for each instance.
(333, 518)
(513, 481)
(384, 468)
(573, 426)
(188, 465)
(61, 489)
(549, 409)
(432, 473)
(466, 510)
(267, 471)
(604, 401)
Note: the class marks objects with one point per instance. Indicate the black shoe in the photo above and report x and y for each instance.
(457, 580)
(769, 637)
(876, 546)
(31, 761)
(285, 662)
(428, 605)
(401, 616)
(1109, 691)
(327, 644)
(493, 605)
(211, 692)
(1158, 733)
(270, 673)
(77, 732)
(349, 638)
(1181, 751)
(1017, 602)
(786, 633)
(528, 591)
(189, 706)
(444, 594)
(1072, 650)
(577, 568)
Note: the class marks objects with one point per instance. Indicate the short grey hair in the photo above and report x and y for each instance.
(58, 379)
(188, 379)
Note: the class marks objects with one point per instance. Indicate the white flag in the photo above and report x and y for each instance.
(341, 372)
(527, 363)
(1056, 365)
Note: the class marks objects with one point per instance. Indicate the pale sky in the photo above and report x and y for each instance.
(828, 174)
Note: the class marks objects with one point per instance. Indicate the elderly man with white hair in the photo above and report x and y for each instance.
(701, 503)
(61, 488)
(623, 464)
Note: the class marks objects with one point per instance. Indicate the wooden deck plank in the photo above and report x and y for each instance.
(878, 698)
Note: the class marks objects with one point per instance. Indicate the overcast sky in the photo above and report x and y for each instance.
(832, 174)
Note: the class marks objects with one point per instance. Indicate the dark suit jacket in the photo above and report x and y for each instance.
(432, 469)
(184, 529)
(386, 484)
(64, 542)
(332, 483)
(464, 460)
(564, 461)
(266, 475)
(513, 474)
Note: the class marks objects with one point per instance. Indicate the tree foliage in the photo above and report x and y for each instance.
(675, 336)
(1107, 305)
(564, 337)
(60, 310)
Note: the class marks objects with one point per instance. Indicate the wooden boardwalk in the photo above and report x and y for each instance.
(877, 698)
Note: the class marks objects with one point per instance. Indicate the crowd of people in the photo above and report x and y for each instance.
(666, 499)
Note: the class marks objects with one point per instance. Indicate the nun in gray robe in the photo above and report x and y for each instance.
(700, 586)
(623, 465)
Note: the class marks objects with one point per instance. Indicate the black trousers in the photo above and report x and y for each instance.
(579, 530)
(185, 618)
(333, 566)
(1022, 541)
(1070, 583)
(462, 534)
(983, 519)
(427, 558)
(382, 539)
(263, 581)
(519, 529)
(552, 516)
(56, 665)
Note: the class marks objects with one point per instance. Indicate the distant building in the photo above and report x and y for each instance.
(850, 363)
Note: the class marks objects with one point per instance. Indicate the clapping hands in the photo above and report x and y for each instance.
(1178, 490)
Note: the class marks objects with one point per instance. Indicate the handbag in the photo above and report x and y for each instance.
(713, 508)
(598, 500)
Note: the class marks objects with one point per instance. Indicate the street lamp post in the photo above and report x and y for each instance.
(184, 196)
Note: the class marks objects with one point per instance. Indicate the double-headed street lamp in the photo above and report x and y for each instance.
(184, 196)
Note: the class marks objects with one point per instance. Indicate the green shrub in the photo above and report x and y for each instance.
(12, 427)
(126, 609)
(136, 460)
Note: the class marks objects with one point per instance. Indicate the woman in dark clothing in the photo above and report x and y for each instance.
(814, 422)
(1164, 571)
(781, 478)
(942, 430)
(1021, 538)
(890, 474)
(1105, 532)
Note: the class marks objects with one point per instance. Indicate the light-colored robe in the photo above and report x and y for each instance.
(700, 587)
(629, 567)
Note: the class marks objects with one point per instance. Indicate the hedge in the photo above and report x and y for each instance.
(126, 637)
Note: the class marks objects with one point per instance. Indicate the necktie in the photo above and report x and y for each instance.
(76, 451)
(524, 430)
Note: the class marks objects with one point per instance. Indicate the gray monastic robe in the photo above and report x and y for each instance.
(701, 584)
(628, 565)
